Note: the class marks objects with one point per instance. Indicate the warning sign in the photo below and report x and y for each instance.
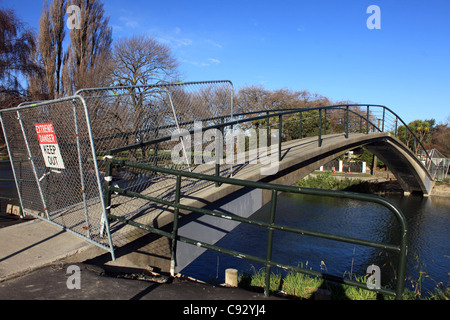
(49, 145)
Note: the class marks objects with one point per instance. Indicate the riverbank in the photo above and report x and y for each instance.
(301, 286)
(380, 184)
(441, 190)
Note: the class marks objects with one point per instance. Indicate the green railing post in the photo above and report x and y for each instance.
(320, 127)
(367, 121)
(406, 137)
(268, 128)
(396, 124)
(219, 152)
(273, 207)
(346, 122)
(280, 135)
(325, 118)
(301, 125)
(360, 124)
(384, 114)
(400, 288)
(175, 227)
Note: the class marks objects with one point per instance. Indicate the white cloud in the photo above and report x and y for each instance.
(214, 61)
(208, 63)
(214, 44)
(129, 22)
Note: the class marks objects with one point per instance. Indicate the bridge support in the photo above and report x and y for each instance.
(411, 175)
(210, 229)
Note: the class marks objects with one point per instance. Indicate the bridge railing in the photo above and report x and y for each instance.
(283, 125)
(176, 203)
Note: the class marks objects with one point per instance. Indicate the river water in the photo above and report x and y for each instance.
(428, 219)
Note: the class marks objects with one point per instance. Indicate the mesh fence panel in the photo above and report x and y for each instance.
(125, 119)
(55, 167)
(438, 165)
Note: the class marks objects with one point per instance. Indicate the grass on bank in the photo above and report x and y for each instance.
(300, 286)
(326, 180)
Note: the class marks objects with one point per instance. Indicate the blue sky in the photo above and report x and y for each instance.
(323, 46)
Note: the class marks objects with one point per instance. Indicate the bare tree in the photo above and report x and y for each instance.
(142, 60)
(89, 48)
(51, 36)
(251, 98)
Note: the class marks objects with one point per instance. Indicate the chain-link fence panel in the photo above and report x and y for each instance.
(155, 125)
(55, 167)
(438, 165)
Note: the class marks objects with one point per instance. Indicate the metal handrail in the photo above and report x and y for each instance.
(280, 113)
(232, 123)
(271, 226)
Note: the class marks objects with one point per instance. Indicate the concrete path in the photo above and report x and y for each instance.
(30, 245)
(51, 283)
(34, 261)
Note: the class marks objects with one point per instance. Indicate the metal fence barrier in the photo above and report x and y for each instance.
(54, 163)
(145, 124)
(57, 147)
(439, 165)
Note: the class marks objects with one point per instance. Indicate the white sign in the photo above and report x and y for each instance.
(49, 146)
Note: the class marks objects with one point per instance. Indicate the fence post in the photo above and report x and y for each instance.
(107, 184)
(219, 152)
(396, 120)
(346, 122)
(367, 121)
(33, 166)
(360, 124)
(273, 206)
(320, 127)
(80, 166)
(301, 125)
(384, 112)
(175, 228)
(280, 133)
